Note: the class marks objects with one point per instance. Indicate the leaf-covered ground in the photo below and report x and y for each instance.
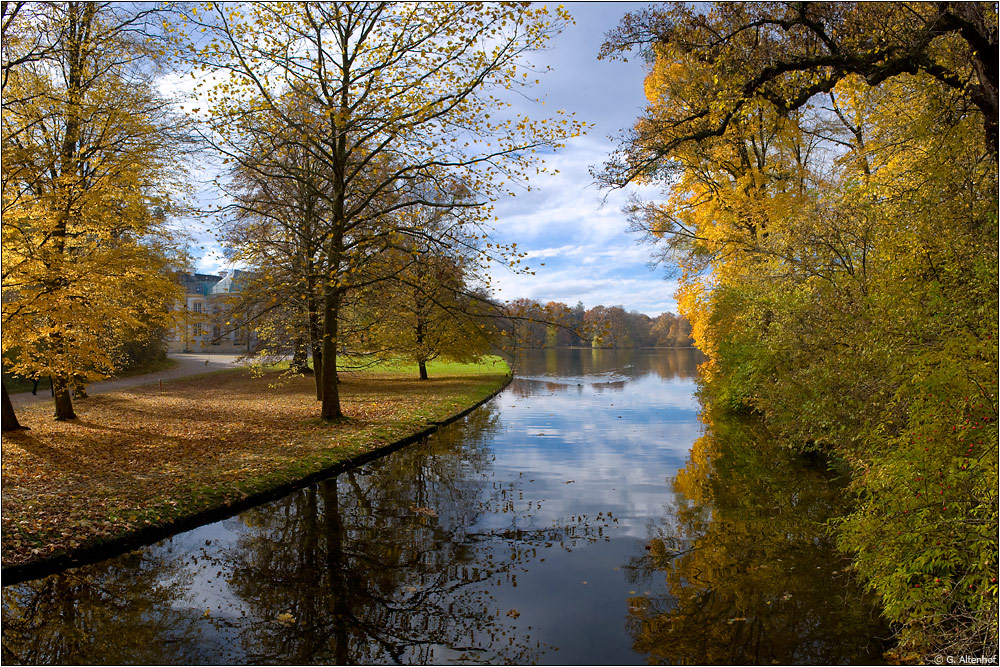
(148, 456)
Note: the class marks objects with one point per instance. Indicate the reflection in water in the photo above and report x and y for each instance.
(589, 362)
(751, 577)
(359, 568)
(520, 534)
(576, 369)
(368, 578)
(57, 619)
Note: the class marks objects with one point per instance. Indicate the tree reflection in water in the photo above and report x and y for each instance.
(66, 618)
(377, 568)
(442, 553)
(388, 563)
(751, 576)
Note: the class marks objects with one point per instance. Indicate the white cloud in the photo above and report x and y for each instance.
(564, 251)
(212, 260)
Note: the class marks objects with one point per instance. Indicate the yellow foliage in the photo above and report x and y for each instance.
(88, 168)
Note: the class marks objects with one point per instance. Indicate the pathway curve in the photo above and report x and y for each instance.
(187, 365)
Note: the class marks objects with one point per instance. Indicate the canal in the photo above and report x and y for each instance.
(592, 513)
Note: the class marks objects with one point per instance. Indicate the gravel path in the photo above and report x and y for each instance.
(187, 365)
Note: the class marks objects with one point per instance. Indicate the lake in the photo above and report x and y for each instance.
(592, 513)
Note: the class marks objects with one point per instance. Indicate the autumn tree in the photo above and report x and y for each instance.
(785, 53)
(90, 151)
(425, 312)
(609, 325)
(670, 330)
(830, 184)
(526, 324)
(387, 97)
(566, 325)
(275, 227)
(427, 297)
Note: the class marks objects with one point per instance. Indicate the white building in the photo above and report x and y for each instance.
(204, 324)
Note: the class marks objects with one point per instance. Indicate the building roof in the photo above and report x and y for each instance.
(206, 283)
(198, 283)
(224, 286)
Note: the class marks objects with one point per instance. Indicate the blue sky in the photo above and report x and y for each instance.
(565, 220)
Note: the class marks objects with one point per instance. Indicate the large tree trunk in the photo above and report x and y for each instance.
(332, 289)
(300, 358)
(62, 399)
(80, 19)
(331, 394)
(10, 422)
(423, 369)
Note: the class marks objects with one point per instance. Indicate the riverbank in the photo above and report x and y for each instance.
(144, 463)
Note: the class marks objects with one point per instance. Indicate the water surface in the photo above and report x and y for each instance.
(584, 516)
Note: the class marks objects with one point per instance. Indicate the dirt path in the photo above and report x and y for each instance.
(187, 365)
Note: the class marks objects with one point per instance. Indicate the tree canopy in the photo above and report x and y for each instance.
(830, 193)
(786, 53)
(90, 155)
(393, 104)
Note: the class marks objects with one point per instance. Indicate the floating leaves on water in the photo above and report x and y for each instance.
(513, 613)
(285, 618)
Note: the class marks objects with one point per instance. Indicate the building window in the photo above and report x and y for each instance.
(197, 306)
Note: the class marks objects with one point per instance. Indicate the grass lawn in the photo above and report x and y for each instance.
(146, 457)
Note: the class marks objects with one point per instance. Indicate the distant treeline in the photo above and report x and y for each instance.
(555, 324)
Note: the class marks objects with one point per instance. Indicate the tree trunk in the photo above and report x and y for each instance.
(300, 358)
(315, 339)
(80, 20)
(10, 422)
(421, 364)
(318, 369)
(332, 288)
(336, 570)
(63, 401)
(331, 394)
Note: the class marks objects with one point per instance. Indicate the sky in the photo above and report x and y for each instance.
(565, 221)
